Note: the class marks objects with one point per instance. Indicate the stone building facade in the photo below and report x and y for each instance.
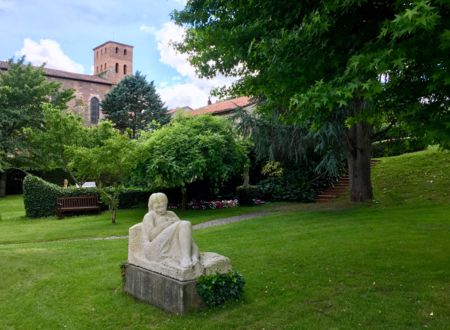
(112, 62)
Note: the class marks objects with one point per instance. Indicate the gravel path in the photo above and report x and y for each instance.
(208, 224)
(225, 221)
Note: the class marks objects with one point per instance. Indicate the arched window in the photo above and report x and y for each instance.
(95, 110)
(97, 68)
(117, 67)
(101, 67)
(124, 52)
(117, 50)
(125, 69)
(97, 53)
(105, 66)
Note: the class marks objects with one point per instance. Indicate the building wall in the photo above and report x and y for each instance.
(113, 61)
(84, 92)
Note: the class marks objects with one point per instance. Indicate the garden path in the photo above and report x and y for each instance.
(207, 224)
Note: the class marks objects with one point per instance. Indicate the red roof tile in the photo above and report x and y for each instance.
(224, 106)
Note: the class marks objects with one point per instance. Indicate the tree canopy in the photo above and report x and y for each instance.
(190, 149)
(134, 104)
(48, 143)
(356, 62)
(109, 162)
(24, 93)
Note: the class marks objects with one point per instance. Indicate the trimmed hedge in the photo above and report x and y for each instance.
(247, 194)
(40, 196)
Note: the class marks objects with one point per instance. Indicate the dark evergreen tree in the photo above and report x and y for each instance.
(134, 104)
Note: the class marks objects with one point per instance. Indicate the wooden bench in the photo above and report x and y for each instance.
(77, 203)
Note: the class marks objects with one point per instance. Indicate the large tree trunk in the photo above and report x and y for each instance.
(2, 184)
(358, 158)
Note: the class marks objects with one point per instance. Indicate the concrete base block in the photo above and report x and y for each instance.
(164, 292)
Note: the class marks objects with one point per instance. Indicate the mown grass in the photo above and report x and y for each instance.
(380, 266)
(15, 228)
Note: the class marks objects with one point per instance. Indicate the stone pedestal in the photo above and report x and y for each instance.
(164, 292)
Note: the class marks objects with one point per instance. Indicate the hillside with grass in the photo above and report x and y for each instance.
(383, 265)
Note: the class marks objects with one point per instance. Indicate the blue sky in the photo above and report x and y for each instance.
(63, 34)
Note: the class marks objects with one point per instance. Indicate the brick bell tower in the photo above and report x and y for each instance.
(113, 61)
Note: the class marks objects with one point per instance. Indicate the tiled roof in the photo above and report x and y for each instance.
(66, 75)
(224, 106)
(185, 108)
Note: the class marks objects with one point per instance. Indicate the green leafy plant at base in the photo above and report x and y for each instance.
(217, 289)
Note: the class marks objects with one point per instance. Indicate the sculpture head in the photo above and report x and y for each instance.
(158, 202)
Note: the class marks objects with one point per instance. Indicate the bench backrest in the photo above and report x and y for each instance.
(78, 201)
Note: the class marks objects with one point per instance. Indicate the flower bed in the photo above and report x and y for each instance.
(203, 205)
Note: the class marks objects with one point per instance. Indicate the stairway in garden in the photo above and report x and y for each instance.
(338, 188)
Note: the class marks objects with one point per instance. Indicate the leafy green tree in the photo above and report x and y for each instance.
(109, 163)
(189, 149)
(134, 104)
(315, 62)
(60, 130)
(24, 92)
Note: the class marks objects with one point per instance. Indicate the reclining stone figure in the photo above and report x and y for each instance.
(163, 244)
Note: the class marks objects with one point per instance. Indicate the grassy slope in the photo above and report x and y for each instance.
(384, 265)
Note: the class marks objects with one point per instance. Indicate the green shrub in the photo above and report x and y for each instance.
(247, 194)
(130, 197)
(295, 185)
(217, 289)
(39, 197)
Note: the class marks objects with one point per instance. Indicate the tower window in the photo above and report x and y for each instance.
(101, 51)
(125, 69)
(101, 67)
(124, 52)
(95, 110)
(97, 53)
(117, 67)
(105, 66)
(117, 50)
(97, 68)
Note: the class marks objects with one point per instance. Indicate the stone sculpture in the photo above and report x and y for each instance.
(163, 244)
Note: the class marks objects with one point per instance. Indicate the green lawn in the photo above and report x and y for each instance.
(384, 265)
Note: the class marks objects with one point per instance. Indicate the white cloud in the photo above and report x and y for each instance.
(49, 52)
(194, 92)
(6, 5)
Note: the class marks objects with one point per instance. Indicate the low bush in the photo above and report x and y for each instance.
(248, 194)
(217, 289)
(294, 185)
(40, 196)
